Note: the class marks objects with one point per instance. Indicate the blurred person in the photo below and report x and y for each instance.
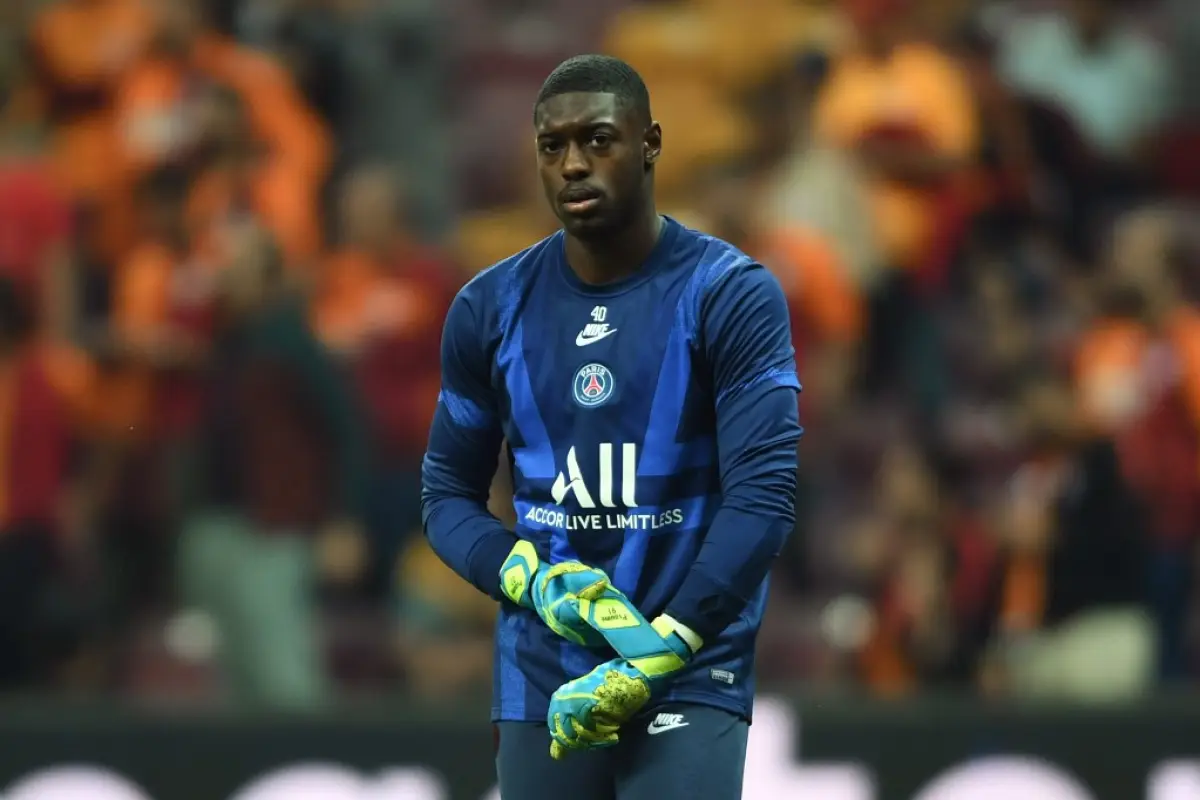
(372, 68)
(1003, 180)
(304, 36)
(1096, 92)
(36, 216)
(903, 109)
(35, 448)
(815, 184)
(1072, 618)
(379, 276)
(138, 395)
(1087, 58)
(982, 345)
(81, 51)
(162, 305)
(237, 174)
(929, 562)
(197, 96)
(644, 363)
(824, 303)
(279, 487)
(1138, 379)
(383, 94)
(380, 302)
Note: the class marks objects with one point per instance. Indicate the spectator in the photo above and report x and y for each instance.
(236, 174)
(1088, 60)
(930, 563)
(815, 184)
(197, 94)
(824, 301)
(36, 221)
(81, 51)
(280, 486)
(372, 68)
(140, 395)
(35, 440)
(904, 109)
(162, 309)
(1138, 373)
(381, 300)
(1072, 617)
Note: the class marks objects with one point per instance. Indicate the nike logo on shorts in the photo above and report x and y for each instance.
(666, 722)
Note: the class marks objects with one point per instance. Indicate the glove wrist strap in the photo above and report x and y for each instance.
(665, 624)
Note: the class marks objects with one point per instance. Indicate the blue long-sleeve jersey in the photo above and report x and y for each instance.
(651, 426)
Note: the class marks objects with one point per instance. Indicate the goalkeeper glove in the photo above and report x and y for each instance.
(587, 712)
(555, 592)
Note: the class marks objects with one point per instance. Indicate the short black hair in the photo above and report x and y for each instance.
(598, 74)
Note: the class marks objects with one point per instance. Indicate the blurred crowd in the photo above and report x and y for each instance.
(230, 230)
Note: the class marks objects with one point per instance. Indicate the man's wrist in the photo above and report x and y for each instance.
(487, 559)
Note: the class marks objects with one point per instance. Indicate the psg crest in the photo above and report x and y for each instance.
(593, 385)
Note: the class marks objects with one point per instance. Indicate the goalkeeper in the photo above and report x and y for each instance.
(643, 377)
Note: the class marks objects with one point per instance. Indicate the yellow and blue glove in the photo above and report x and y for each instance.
(587, 712)
(580, 604)
(555, 591)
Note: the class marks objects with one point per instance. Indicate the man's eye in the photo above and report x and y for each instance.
(548, 146)
(601, 140)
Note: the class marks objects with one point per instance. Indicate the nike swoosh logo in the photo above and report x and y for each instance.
(583, 341)
(655, 729)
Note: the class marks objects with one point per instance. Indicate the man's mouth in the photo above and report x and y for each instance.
(580, 202)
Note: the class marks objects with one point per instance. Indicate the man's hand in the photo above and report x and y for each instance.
(555, 592)
(587, 712)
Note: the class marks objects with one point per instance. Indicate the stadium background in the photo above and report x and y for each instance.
(983, 214)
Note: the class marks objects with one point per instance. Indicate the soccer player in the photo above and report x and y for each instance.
(643, 379)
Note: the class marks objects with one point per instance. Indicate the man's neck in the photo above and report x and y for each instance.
(617, 256)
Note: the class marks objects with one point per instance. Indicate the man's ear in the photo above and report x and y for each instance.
(652, 145)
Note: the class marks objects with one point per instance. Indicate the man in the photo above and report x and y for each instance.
(1137, 378)
(901, 109)
(35, 440)
(380, 302)
(279, 482)
(1087, 58)
(643, 377)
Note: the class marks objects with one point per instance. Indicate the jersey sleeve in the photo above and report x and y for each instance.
(747, 338)
(460, 461)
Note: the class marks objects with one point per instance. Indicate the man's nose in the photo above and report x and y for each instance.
(575, 165)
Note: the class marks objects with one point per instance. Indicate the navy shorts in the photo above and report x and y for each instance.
(675, 751)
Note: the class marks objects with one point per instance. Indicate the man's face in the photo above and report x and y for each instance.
(594, 156)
